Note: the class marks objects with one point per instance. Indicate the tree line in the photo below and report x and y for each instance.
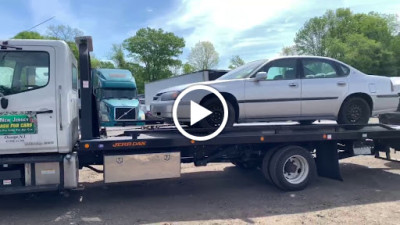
(369, 42)
(150, 55)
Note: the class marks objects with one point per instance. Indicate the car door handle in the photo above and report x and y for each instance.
(341, 83)
(292, 85)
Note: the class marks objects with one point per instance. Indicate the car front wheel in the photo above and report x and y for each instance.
(354, 111)
(215, 119)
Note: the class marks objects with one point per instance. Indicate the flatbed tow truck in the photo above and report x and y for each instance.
(49, 156)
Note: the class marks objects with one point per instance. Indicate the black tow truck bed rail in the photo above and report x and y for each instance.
(170, 138)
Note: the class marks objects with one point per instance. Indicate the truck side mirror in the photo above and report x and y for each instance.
(260, 76)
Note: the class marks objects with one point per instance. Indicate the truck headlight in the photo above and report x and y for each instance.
(104, 107)
(168, 96)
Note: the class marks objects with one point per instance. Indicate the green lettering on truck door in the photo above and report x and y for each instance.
(18, 123)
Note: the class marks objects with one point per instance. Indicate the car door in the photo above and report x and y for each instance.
(278, 96)
(28, 123)
(324, 85)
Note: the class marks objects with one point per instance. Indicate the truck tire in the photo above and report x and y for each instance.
(265, 164)
(292, 168)
(215, 119)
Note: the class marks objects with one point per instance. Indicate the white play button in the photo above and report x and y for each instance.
(197, 112)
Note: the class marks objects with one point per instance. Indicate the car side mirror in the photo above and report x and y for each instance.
(260, 76)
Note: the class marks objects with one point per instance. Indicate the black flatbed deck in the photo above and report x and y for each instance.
(249, 134)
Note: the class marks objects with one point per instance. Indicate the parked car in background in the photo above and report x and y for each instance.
(116, 97)
(296, 88)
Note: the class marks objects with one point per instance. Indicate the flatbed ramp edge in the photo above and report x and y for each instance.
(171, 138)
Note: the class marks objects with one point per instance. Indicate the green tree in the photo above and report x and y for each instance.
(365, 41)
(289, 50)
(118, 56)
(395, 46)
(368, 55)
(63, 32)
(96, 63)
(236, 61)
(203, 56)
(187, 68)
(156, 50)
(28, 35)
(311, 38)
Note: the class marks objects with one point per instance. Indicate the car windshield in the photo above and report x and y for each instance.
(118, 93)
(242, 71)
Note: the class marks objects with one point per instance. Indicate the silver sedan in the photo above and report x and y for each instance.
(293, 88)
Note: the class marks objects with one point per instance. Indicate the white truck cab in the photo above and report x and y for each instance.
(39, 95)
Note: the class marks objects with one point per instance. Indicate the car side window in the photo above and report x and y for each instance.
(316, 68)
(345, 69)
(282, 69)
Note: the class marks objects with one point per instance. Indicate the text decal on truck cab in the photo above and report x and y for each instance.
(18, 123)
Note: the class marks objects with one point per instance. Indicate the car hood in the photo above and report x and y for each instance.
(208, 83)
(121, 102)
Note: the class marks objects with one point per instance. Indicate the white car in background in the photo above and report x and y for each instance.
(296, 88)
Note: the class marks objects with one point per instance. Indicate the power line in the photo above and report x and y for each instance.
(41, 23)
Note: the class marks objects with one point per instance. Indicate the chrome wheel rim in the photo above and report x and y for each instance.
(296, 169)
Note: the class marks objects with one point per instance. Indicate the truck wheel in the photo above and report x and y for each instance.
(292, 168)
(215, 119)
(354, 110)
(265, 164)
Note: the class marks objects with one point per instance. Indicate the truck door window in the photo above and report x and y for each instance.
(22, 71)
(74, 77)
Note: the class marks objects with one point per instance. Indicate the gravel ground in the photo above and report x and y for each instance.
(219, 194)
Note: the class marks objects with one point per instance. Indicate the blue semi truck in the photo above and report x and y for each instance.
(116, 98)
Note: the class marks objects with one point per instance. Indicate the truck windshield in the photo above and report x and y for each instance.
(118, 93)
(242, 71)
(22, 71)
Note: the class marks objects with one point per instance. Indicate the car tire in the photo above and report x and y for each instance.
(215, 119)
(292, 168)
(306, 122)
(354, 110)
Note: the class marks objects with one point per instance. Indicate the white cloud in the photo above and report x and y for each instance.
(224, 22)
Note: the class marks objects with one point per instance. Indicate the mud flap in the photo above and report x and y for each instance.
(327, 160)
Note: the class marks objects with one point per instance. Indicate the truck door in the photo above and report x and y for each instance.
(28, 113)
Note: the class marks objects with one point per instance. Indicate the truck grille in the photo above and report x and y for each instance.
(125, 114)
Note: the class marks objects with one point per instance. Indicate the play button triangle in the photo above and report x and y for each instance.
(197, 112)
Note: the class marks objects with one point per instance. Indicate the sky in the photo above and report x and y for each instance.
(252, 29)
